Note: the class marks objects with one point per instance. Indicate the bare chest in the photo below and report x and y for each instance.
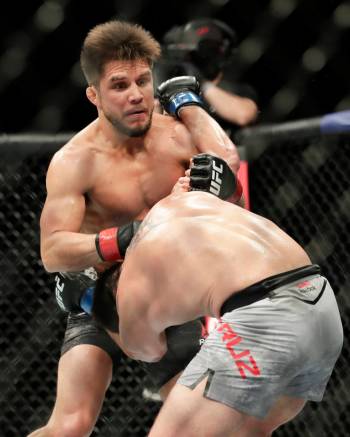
(127, 189)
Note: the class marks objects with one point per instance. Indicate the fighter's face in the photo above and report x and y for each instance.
(125, 96)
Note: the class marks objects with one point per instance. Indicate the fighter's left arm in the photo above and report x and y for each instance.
(211, 171)
(208, 136)
(216, 162)
(180, 97)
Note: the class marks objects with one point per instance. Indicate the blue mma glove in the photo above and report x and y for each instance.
(179, 92)
(91, 293)
(74, 290)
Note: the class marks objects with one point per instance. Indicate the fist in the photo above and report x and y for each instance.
(183, 184)
(212, 174)
(178, 92)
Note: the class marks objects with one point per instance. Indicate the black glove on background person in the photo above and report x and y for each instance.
(179, 92)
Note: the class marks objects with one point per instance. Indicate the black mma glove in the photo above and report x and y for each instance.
(74, 291)
(178, 92)
(212, 174)
(111, 244)
(90, 292)
(184, 341)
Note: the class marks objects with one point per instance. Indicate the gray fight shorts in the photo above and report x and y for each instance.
(283, 340)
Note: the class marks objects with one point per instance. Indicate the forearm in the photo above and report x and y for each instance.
(208, 136)
(72, 251)
(69, 252)
(116, 338)
(143, 344)
(180, 98)
(231, 107)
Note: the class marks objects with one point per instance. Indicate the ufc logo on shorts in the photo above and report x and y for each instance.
(58, 290)
(216, 181)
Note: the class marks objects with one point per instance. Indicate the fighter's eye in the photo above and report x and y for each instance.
(143, 82)
(119, 85)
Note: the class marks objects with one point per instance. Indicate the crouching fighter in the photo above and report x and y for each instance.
(279, 333)
(92, 292)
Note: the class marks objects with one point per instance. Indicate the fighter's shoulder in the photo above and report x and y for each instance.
(73, 163)
(167, 120)
(72, 155)
(161, 121)
(172, 128)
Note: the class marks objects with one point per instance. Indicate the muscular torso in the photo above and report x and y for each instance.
(198, 250)
(127, 183)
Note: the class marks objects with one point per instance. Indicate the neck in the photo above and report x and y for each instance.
(118, 140)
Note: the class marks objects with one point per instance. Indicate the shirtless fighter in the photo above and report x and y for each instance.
(108, 175)
(279, 332)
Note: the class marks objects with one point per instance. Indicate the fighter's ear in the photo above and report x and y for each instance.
(91, 94)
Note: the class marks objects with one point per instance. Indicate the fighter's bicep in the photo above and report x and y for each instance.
(137, 299)
(137, 331)
(64, 206)
(62, 212)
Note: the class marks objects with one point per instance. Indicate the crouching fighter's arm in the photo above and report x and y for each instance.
(63, 246)
(139, 308)
(139, 333)
(141, 339)
(180, 97)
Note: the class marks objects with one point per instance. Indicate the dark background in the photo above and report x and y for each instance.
(294, 53)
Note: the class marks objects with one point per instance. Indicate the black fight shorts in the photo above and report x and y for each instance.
(83, 329)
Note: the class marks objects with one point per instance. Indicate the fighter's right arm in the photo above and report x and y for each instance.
(63, 246)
